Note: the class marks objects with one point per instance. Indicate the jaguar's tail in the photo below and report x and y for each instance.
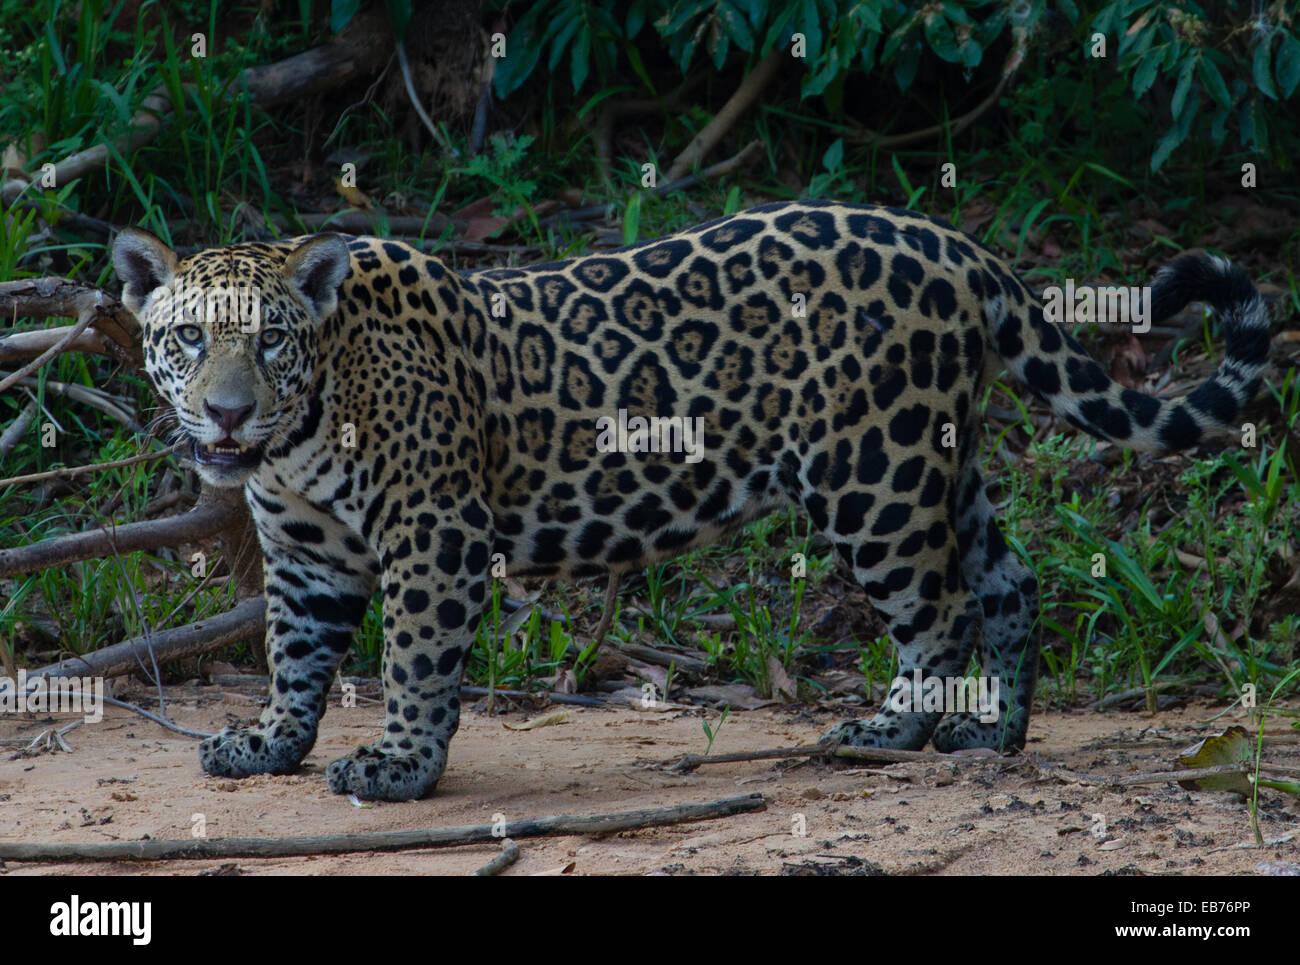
(1044, 357)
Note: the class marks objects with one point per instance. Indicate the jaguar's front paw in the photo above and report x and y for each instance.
(963, 731)
(376, 775)
(240, 752)
(894, 731)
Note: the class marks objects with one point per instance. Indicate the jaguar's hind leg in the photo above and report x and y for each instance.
(1007, 591)
(934, 622)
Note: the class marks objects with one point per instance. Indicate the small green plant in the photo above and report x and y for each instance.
(711, 732)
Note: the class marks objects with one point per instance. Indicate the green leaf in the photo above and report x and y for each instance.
(636, 17)
(632, 220)
(834, 156)
(1254, 127)
(580, 58)
(734, 22)
(779, 32)
(562, 38)
(909, 59)
(733, 200)
(718, 44)
(1176, 134)
(342, 11)
(1288, 66)
(523, 50)
(1145, 75)
(1213, 83)
(399, 15)
(1184, 85)
(809, 25)
(1263, 68)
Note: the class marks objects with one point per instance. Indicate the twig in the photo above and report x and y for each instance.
(731, 111)
(551, 826)
(892, 141)
(155, 718)
(116, 331)
(94, 397)
(751, 149)
(67, 339)
(14, 431)
(611, 602)
(71, 471)
(508, 856)
(405, 65)
(113, 701)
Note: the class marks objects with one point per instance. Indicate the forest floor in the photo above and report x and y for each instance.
(1050, 811)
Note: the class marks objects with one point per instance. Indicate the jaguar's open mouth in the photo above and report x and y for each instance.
(227, 454)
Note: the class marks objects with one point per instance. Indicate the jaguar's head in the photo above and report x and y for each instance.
(231, 338)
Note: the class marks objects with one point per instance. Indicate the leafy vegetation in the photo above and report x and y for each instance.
(1080, 166)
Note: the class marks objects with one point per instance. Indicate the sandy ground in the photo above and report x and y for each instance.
(127, 779)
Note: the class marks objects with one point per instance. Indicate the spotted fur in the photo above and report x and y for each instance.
(474, 434)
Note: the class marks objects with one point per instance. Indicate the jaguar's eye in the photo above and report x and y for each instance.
(271, 337)
(190, 334)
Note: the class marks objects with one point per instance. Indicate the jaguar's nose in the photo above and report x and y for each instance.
(228, 418)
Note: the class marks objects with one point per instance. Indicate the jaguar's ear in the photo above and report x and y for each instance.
(143, 263)
(316, 269)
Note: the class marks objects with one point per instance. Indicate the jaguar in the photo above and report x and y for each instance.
(401, 427)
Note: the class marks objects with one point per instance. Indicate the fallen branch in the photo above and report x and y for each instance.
(508, 856)
(577, 700)
(246, 620)
(557, 825)
(731, 111)
(202, 521)
(663, 658)
(115, 332)
(691, 761)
